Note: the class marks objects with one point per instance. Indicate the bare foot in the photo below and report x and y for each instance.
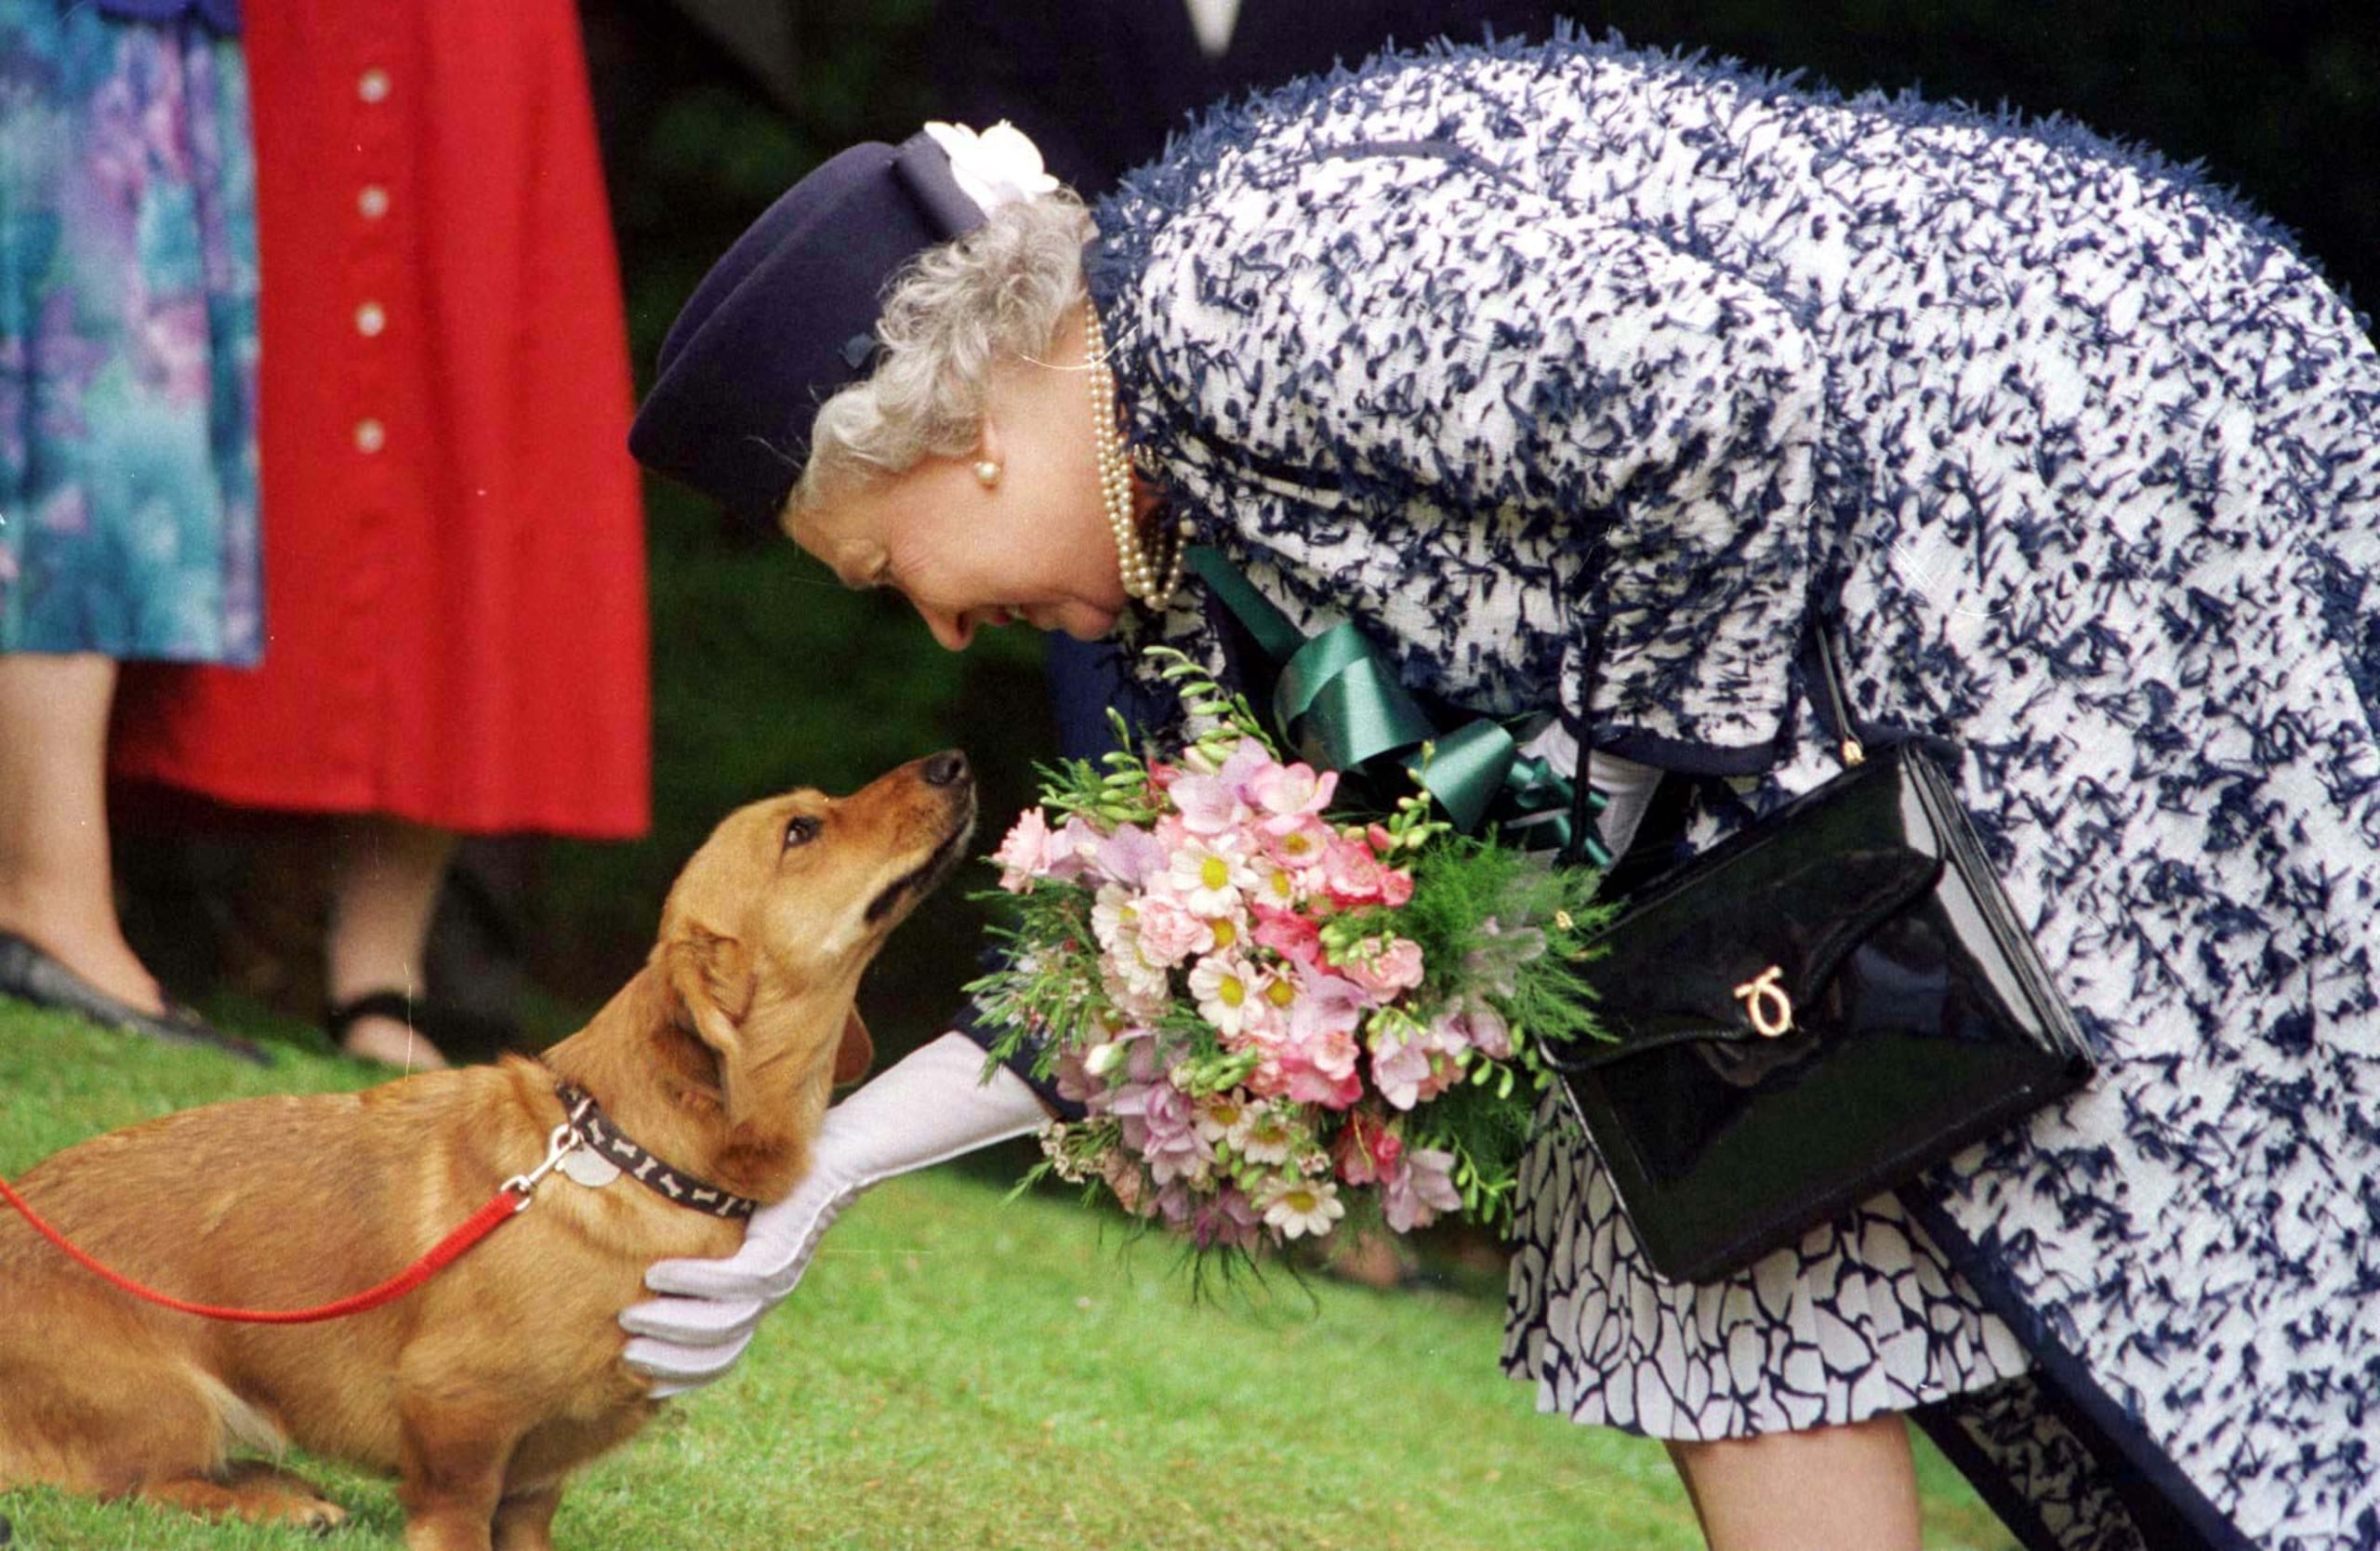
(391, 1042)
(101, 959)
(121, 974)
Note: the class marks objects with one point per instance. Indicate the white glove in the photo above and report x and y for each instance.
(927, 1109)
(1628, 792)
(1627, 786)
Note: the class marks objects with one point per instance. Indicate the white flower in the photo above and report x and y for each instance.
(1264, 1134)
(1115, 917)
(1220, 1115)
(1223, 987)
(1136, 987)
(998, 166)
(1302, 1206)
(1209, 877)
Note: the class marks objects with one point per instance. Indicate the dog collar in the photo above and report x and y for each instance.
(595, 1131)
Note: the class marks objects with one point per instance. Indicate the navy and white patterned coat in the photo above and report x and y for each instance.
(1494, 350)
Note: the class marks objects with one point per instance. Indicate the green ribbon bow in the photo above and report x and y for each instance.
(1341, 706)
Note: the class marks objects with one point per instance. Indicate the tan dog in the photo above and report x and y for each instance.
(487, 1387)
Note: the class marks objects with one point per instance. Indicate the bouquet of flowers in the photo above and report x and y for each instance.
(1272, 1012)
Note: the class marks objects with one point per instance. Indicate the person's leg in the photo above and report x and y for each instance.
(384, 887)
(57, 876)
(1830, 1488)
(1376, 1259)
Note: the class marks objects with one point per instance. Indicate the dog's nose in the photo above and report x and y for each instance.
(946, 769)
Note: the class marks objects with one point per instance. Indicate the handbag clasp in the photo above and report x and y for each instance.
(1767, 1004)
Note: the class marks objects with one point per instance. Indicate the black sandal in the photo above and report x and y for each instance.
(340, 1016)
(459, 1035)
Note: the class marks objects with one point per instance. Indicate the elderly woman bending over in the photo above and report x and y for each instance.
(1509, 355)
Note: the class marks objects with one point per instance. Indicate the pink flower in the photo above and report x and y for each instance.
(1130, 855)
(1228, 1220)
(1207, 804)
(1161, 1124)
(1395, 886)
(1072, 852)
(1288, 934)
(1400, 1070)
(1316, 1059)
(1349, 872)
(1291, 791)
(1248, 762)
(1298, 843)
(1321, 1070)
(1325, 1000)
(1025, 850)
(1475, 1026)
(1331, 1052)
(1384, 970)
(1367, 1149)
(1168, 933)
(1310, 1085)
(1420, 1188)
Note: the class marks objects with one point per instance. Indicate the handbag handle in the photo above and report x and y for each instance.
(1838, 703)
(1583, 826)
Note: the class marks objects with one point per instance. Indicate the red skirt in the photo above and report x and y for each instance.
(454, 548)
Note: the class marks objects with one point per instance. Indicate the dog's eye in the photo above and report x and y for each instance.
(799, 832)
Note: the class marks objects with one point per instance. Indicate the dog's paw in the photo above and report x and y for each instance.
(319, 1516)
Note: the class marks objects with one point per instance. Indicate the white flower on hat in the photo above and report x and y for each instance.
(998, 166)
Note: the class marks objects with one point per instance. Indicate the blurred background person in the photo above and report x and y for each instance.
(127, 446)
(453, 543)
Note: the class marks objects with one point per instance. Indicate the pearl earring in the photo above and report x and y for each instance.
(988, 472)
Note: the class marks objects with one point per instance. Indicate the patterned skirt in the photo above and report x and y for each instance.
(127, 339)
(1861, 1318)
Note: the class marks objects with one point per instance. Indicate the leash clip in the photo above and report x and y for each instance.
(558, 1146)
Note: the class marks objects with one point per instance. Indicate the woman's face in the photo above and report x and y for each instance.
(1032, 547)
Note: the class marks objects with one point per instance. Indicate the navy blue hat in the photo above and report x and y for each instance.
(787, 317)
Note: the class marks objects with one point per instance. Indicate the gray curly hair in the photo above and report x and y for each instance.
(1000, 291)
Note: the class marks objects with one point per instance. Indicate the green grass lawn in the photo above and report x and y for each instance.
(964, 1370)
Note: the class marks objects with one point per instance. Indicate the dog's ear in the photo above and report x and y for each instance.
(856, 1053)
(711, 979)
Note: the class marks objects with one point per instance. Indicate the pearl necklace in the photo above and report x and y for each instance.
(1138, 570)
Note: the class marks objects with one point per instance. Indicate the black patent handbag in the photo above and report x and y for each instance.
(1810, 1013)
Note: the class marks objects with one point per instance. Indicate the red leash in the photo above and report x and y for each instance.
(509, 1201)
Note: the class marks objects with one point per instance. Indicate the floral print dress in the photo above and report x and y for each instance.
(127, 336)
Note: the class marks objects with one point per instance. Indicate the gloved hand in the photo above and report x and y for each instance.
(1628, 792)
(925, 1109)
(1627, 786)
